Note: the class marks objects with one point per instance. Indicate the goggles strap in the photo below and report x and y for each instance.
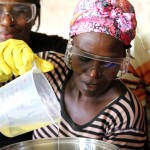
(127, 62)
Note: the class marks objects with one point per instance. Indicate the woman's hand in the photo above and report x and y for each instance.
(16, 58)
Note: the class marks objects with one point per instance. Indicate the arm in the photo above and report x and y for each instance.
(16, 58)
(5, 141)
(41, 42)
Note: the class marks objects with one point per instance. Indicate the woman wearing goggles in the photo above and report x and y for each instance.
(94, 103)
(95, 66)
(17, 18)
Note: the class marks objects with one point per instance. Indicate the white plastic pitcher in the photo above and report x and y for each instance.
(27, 103)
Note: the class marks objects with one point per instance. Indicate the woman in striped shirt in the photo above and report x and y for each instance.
(112, 114)
(94, 103)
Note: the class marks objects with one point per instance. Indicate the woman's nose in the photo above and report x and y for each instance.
(7, 20)
(94, 72)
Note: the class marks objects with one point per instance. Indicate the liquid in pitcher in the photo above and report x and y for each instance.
(18, 130)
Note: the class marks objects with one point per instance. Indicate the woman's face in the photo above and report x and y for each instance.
(92, 76)
(12, 22)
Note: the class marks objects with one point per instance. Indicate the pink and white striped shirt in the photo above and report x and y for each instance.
(120, 123)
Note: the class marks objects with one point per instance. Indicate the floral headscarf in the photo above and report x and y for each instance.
(114, 17)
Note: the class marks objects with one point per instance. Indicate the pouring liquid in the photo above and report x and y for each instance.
(58, 125)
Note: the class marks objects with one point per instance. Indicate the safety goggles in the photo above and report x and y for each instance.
(17, 11)
(83, 62)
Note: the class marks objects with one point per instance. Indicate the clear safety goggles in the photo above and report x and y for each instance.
(17, 11)
(83, 62)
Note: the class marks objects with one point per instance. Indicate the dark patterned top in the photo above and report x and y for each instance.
(121, 122)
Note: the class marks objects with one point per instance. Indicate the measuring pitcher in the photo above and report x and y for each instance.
(27, 103)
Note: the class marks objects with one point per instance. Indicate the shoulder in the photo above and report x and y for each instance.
(61, 72)
(42, 42)
(56, 58)
(128, 96)
(130, 109)
(40, 36)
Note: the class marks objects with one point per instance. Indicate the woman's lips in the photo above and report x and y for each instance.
(91, 86)
(6, 36)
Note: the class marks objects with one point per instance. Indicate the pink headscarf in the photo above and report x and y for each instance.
(114, 17)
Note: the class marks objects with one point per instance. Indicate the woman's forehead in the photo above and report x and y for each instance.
(98, 39)
(99, 43)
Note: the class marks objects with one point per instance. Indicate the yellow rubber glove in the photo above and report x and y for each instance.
(16, 57)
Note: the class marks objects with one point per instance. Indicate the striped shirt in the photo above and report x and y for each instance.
(121, 122)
